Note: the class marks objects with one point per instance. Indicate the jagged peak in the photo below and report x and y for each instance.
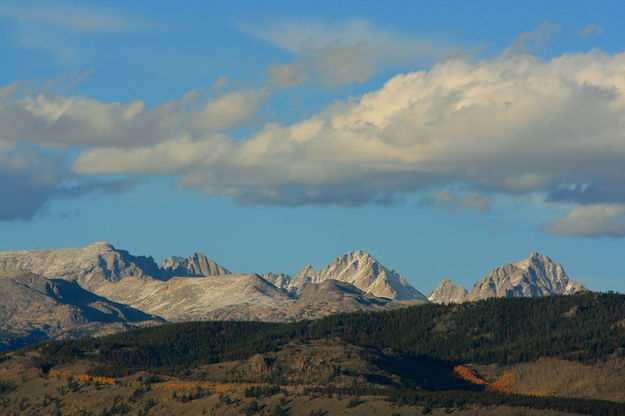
(353, 256)
(359, 253)
(307, 270)
(447, 282)
(535, 255)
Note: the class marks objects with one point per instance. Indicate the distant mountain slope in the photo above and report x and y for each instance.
(448, 292)
(90, 266)
(230, 296)
(537, 275)
(34, 309)
(333, 296)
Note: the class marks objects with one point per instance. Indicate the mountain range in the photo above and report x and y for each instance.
(537, 275)
(114, 290)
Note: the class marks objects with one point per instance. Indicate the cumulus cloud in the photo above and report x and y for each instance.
(56, 120)
(591, 221)
(342, 52)
(228, 110)
(515, 124)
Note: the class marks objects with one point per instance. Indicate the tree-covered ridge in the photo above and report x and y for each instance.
(583, 327)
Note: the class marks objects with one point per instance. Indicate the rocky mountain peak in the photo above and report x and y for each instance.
(91, 265)
(196, 265)
(537, 275)
(366, 273)
(448, 292)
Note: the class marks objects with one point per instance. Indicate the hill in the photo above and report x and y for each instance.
(550, 354)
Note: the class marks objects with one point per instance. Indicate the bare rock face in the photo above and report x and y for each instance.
(301, 280)
(448, 292)
(367, 274)
(280, 280)
(193, 266)
(34, 308)
(537, 275)
(90, 266)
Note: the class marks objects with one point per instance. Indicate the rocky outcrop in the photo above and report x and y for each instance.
(301, 280)
(280, 280)
(193, 266)
(448, 292)
(536, 275)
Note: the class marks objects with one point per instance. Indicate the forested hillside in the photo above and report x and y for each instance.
(565, 354)
(581, 327)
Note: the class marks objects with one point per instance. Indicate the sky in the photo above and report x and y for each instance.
(444, 138)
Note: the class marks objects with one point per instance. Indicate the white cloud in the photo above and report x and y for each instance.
(591, 221)
(55, 120)
(511, 125)
(515, 124)
(228, 110)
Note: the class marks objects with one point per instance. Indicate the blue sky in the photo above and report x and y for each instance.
(445, 138)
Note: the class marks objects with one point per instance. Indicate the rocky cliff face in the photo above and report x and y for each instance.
(196, 265)
(537, 275)
(367, 274)
(448, 292)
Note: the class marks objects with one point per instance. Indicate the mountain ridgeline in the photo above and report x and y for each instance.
(196, 288)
